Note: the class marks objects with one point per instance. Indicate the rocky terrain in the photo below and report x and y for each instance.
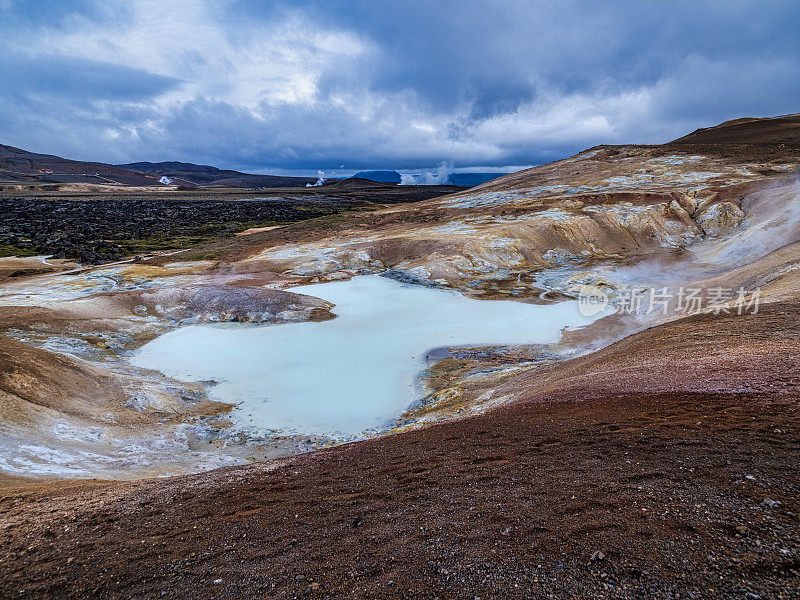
(103, 226)
(650, 454)
(105, 229)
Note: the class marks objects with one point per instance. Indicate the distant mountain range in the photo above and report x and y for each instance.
(379, 176)
(205, 175)
(19, 166)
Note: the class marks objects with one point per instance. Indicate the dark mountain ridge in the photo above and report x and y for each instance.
(18, 166)
(207, 175)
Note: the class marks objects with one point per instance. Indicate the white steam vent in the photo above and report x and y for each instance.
(320, 179)
(440, 177)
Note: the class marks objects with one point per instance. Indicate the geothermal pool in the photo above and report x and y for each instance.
(352, 374)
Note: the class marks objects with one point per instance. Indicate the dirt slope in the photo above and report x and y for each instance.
(648, 492)
(748, 130)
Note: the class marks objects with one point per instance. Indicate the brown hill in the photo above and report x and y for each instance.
(748, 130)
(757, 143)
(19, 166)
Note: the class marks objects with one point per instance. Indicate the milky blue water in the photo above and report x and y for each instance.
(354, 373)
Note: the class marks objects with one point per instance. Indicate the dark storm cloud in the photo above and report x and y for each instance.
(317, 83)
(80, 79)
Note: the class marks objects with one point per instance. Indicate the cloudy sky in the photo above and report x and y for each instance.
(306, 85)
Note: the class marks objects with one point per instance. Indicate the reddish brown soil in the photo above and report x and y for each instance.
(772, 130)
(657, 490)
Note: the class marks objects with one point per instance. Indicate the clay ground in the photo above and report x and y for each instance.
(577, 492)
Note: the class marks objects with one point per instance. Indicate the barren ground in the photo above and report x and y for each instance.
(576, 493)
(636, 458)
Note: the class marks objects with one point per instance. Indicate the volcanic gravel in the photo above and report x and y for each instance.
(100, 229)
(97, 229)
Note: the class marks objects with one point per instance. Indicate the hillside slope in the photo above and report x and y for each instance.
(17, 165)
(695, 158)
(749, 130)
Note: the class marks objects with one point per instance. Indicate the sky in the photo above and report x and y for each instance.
(307, 85)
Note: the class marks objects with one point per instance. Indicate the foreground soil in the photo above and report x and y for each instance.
(646, 474)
